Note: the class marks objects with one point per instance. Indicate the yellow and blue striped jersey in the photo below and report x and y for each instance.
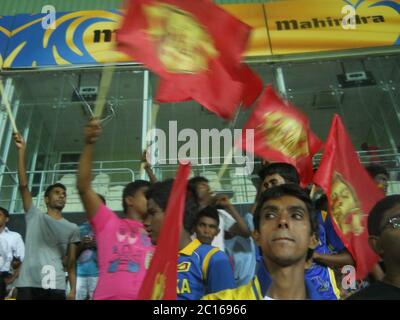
(202, 269)
(257, 288)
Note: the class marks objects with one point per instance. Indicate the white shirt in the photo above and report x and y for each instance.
(226, 221)
(11, 245)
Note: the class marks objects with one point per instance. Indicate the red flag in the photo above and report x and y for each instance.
(282, 133)
(351, 195)
(161, 278)
(194, 45)
(252, 87)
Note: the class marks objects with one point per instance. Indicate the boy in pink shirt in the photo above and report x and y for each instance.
(124, 249)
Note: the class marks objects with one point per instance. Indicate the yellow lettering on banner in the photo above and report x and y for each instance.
(345, 206)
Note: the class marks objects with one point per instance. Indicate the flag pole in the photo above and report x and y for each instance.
(154, 114)
(230, 154)
(8, 107)
(105, 83)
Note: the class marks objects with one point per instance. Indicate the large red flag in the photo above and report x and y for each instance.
(351, 195)
(281, 133)
(193, 44)
(252, 87)
(161, 278)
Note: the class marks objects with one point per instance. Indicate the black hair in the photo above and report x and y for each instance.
(210, 212)
(131, 189)
(285, 170)
(53, 186)
(321, 203)
(160, 192)
(377, 213)
(195, 180)
(293, 190)
(5, 211)
(375, 169)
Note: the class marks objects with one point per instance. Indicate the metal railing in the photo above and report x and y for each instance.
(241, 185)
(41, 179)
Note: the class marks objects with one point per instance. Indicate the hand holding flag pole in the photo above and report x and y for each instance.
(8, 107)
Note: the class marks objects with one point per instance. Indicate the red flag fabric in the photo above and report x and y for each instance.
(351, 195)
(161, 278)
(282, 134)
(252, 87)
(194, 45)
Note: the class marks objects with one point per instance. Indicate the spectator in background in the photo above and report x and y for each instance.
(87, 267)
(231, 222)
(49, 237)
(206, 225)
(384, 239)
(12, 252)
(380, 176)
(202, 268)
(372, 152)
(123, 246)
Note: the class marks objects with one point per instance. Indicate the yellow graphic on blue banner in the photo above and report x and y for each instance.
(345, 206)
(82, 37)
(315, 25)
(182, 44)
(285, 134)
(5, 34)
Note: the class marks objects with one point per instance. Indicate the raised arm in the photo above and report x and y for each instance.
(22, 177)
(91, 201)
(334, 260)
(240, 227)
(147, 168)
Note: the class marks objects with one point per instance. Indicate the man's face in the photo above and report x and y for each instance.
(3, 219)
(156, 219)
(206, 229)
(204, 191)
(390, 238)
(284, 234)
(381, 181)
(56, 199)
(272, 180)
(138, 201)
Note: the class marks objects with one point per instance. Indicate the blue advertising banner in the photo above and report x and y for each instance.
(82, 37)
(5, 34)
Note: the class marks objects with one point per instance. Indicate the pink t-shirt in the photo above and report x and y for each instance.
(124, 252)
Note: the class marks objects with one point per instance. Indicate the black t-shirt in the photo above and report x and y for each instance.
(377, 291)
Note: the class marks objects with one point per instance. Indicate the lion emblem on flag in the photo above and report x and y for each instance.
(285, 134)
(345, 206)
(183, 45)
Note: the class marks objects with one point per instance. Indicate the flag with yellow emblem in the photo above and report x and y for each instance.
(281, 134)
(351, 195)
(193, 45)
(160, 282)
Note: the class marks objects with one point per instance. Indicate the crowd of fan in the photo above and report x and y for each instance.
(285, 247)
